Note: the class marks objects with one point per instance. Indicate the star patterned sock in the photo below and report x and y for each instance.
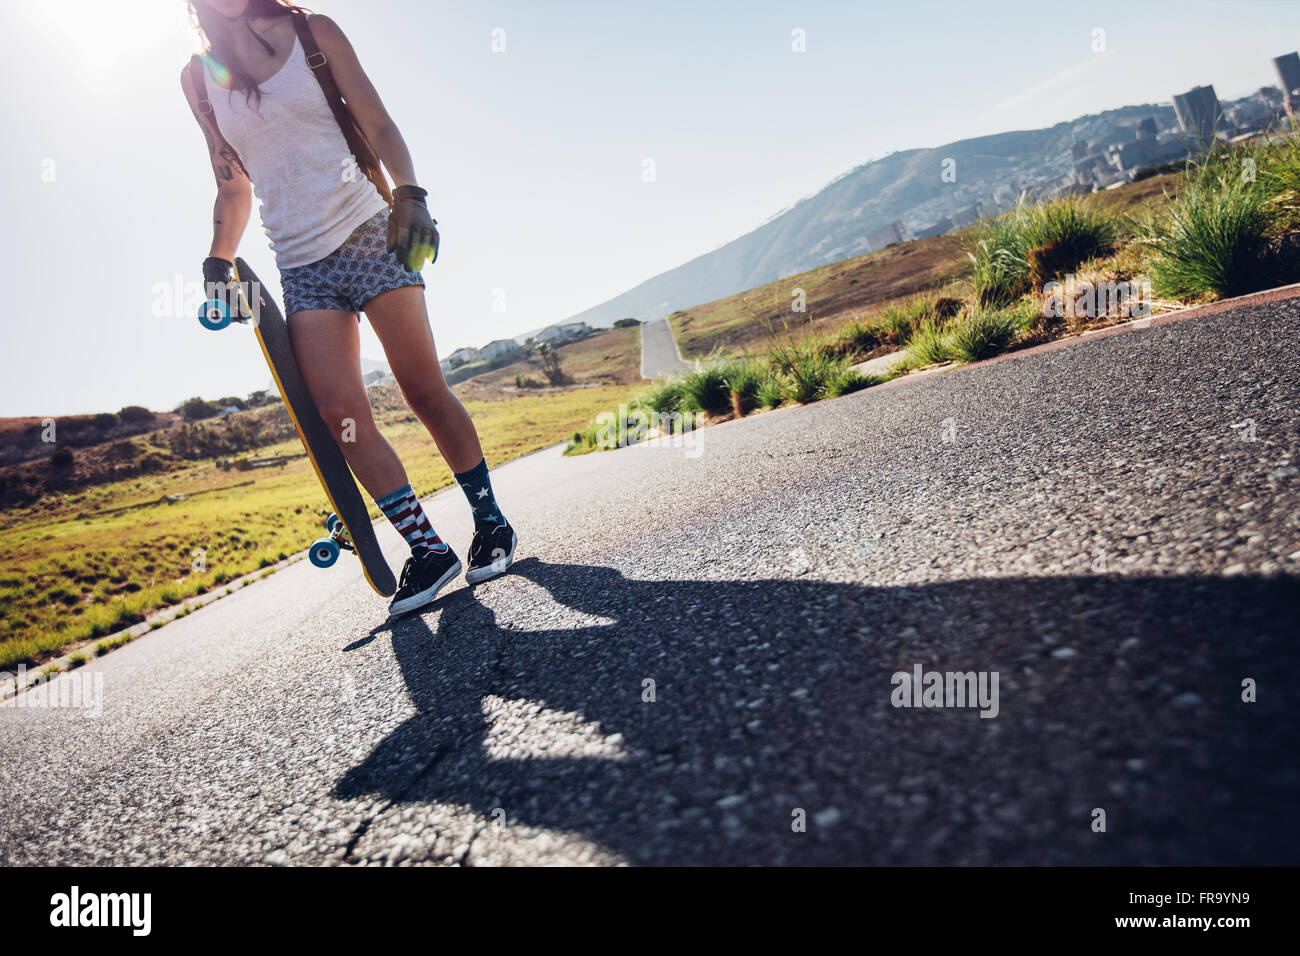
(478, 490)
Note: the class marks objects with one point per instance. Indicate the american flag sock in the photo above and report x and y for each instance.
(478, 489)
(402, 508)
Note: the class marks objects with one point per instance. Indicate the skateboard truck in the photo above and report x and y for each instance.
(215, 314)
(325, 551)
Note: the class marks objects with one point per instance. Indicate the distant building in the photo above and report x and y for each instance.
(462, 357)
(1198, 114)
(1288, 77)
(944, 225)
(562, 332)
(971, 214)
(498, 349)
(896, 231)
(1249, 116)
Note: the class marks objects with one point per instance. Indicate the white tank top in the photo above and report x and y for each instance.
(313, 194)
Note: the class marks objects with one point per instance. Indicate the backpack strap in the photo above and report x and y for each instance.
(356, 139)
(198, 77)
(199, 84)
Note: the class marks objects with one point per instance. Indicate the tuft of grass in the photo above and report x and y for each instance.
(706, 390)
(982, 334)
(666, 397)
(1212, 240)
(929, 345)
(745, 379)
(77, 660)
(771, 394)
(1036, 243)
(811, 374)
(846, 380)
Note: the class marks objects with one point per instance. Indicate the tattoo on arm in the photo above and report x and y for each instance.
(231, 157)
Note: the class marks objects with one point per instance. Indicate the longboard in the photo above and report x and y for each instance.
(349, 527)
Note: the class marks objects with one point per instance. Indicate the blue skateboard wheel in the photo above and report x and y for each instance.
(331, 521)
(214, 315)
(324, 552)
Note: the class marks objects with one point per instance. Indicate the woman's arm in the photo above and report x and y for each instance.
(364, 102)
(234, 191)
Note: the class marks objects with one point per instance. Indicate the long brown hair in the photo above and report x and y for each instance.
(203, 16)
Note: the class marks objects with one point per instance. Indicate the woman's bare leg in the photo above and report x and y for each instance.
(326, 345)
(401, 321)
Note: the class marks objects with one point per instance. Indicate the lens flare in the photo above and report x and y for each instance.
(218, 70)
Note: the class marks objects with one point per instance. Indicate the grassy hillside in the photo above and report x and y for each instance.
(610, 357)
(862, 287)
(85, 561)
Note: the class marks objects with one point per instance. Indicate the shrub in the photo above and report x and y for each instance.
(1015, 250)
(856, 338)
(981, 334)
(667, 397)
(744, 379)
(898, 322)
(771, 393)
(929, 345)
(103, 421)
(810, 378)
(1212, 240)
(196, 408)
(846, 380)
(62, 459)
(550, 360)
(135, 414)
(707, 390)
(627, 323)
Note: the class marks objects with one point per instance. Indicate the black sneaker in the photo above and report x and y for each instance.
(426, 573)
(491, 552)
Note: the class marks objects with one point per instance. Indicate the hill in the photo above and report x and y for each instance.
(833, 224)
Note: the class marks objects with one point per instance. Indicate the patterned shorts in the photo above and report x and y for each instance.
(351, 275)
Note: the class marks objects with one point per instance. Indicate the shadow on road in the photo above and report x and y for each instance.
(772, 697)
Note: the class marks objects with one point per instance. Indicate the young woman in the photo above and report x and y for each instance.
(341, 250)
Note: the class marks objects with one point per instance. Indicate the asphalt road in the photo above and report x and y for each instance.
(659, 354)
(1087, 523)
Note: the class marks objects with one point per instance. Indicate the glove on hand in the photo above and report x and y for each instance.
(412, 232)
(216, 270)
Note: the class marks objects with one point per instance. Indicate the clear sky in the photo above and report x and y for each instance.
(533, 156)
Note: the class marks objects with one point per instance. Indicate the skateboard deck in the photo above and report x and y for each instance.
(331, 467)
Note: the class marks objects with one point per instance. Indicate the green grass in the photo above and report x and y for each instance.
(770, 394)
(110, 571)
(1212, 240)
(745, 379)
(983, 334)
(667, 397)
(1034, 244)
(929, 345)
(706, 390)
